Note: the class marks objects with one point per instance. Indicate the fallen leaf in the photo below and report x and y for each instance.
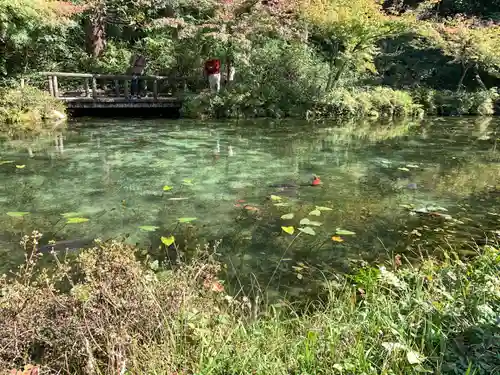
(414, 357)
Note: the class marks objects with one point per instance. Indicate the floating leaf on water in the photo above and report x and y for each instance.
(17, 214)
(167, 188)
(337, 239)
(287, 216)
(148, 228)
(70, 214)
(308, 230)
(315, 213)
(20, 166)
(2, 162)
(275, 198)
(289, 230)
(321, 208)
(167, 241)
(187, 219)
(315, 223)
(281, 204)
(344, 232)
(76, 220)
(404, 169)
(414, 358)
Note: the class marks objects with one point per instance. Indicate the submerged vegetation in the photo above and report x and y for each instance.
(107, 313)
(296, 58)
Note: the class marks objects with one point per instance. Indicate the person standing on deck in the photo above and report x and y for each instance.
(138, 65)
(212, 71)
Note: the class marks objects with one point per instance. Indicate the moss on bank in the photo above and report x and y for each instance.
(29, 111)
(106, 312)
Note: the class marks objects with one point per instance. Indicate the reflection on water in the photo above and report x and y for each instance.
(379, 182)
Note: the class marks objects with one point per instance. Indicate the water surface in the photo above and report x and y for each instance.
(373, 176)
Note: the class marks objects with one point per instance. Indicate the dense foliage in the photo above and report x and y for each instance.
(108, 313)
(289, 55)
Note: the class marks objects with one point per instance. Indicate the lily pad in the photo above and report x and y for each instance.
(76, 220)
(167, 188)
(315, 213)
(344, 232)
(287, 216)
(167, 241)
(148, 228)
(17, 214)
(321, 208)
(187, 219)
(289, 230)
(308, 230)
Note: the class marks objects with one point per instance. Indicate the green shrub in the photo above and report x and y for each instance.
(105, 312)
(27, 111)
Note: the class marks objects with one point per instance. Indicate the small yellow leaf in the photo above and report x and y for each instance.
(289, 230)
(337, 239)
(20, 166)
(167, 241)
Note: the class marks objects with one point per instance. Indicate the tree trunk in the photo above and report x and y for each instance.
(96, 33)
(478, 78)
(465, 69)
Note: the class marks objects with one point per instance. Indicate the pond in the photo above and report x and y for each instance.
(408, 188)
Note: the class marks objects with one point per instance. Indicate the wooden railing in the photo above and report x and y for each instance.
(120, 83)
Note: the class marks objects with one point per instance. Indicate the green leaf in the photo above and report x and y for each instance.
(414, 357)
(344, 232)
(17, 214)
(315, 213)
(167, 188)
(404, 169)
(76, 220)
(305, 221)
(20, 166)
(187, 181)
(321, 208)
(289, 230)
(315, 223)
(186, 219)
(308, 230)
(167, 241)
(287, 216)
(275, 198)
(2, 162)
(282, 204)
(148, 228)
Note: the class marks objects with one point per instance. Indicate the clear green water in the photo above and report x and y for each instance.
(113, 173)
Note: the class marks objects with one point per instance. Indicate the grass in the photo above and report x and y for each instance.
(106, 312)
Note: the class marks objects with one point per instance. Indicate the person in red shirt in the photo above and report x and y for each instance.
(212, 71)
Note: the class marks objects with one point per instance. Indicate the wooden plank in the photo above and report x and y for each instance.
(94, 87)
(126, 90)
(155, 89)
(55, 86)
(51, 86)
(100, 76)
(86, 87)
(117, 88)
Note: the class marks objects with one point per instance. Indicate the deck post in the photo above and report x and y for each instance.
(86, 87)
(155, 89)
(51, 86)
(94, 87)
(117, 88)
(55, 86)
(126, 91)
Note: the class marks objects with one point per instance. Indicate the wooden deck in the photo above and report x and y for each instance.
(112, 91)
